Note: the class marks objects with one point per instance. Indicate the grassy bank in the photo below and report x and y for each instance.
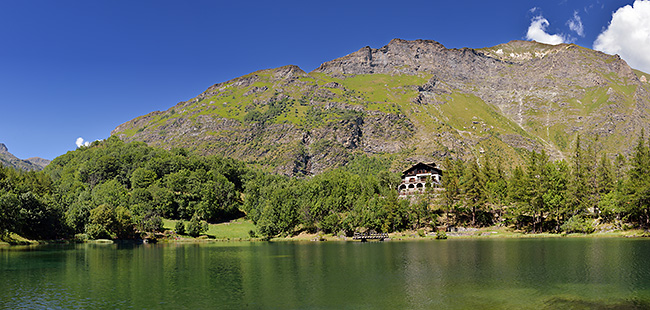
(14, 239)
(238, 230)
(474, 233)
(233, 230)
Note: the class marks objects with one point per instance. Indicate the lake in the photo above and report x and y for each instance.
(554, 273)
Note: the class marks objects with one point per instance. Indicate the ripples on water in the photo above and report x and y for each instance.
(452, 274)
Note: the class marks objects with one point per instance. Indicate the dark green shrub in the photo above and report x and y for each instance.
(180, 227)
(151, 223)
(578, 224)
(97, 231)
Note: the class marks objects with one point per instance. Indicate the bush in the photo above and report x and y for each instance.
(151, 223)
(441, 235)
(196, 227)
(124, 227)
(578, 224)
(180, 227)
(97, 231)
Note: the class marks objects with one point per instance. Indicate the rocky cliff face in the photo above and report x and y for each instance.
(416, 100)
(9, 160)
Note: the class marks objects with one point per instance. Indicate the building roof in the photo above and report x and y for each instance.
(431, 167)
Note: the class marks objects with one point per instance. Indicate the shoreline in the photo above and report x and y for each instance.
(482, 233)
(485, 233)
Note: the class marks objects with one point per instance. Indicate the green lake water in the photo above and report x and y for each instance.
(557, 273)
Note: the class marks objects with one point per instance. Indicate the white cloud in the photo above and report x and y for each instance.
(537, 32)
(575, 24)
(628, 34)
(80, 142)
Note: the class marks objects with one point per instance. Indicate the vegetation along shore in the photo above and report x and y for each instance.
(117, 190)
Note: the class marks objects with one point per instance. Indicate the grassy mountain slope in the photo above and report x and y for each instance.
(411, 101)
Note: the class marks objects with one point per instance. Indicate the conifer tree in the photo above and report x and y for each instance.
(640, 160)
(578, 188)
(620, 165)
(451, 181)
(496, 186)
(604, 177)
(527, 188)
(637, 189)
(474, 189)
(555, 191)
(536, 185)
(591, 166)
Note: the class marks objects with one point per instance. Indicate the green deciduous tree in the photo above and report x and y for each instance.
(196, 227)
(142, 178)
(111, 193)
(9, 211)
(108, 222)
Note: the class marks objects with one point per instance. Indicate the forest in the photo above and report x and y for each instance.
(118, 190)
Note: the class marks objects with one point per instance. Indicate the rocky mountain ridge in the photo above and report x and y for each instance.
(412, 101)
(9, 160)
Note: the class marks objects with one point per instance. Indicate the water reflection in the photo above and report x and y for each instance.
(451, 274)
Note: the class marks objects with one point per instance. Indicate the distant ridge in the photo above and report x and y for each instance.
(9, 160)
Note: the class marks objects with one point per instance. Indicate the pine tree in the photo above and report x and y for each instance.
(489, 177)
(536, 183)
(637, 188)
(517, 191)
(591, 166)
(527, 188)
(451, 181)
(555, 191)
(474, 189)
(604, 177)
(640, 160)
(578, 189)
(620, 165)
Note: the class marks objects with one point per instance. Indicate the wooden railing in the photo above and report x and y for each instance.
(368, 236)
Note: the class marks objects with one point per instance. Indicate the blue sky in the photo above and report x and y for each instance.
(71, 69)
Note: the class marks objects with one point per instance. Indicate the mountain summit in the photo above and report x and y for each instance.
(414, 101)
(9, 160)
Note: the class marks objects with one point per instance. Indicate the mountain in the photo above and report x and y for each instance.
(412, 101)
(9, 160)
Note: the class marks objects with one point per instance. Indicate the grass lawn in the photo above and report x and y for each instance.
(15, 239)
(236, 229)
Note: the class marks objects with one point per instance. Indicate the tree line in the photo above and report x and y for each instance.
(113, 189)
(543, 195)
(571, 195)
